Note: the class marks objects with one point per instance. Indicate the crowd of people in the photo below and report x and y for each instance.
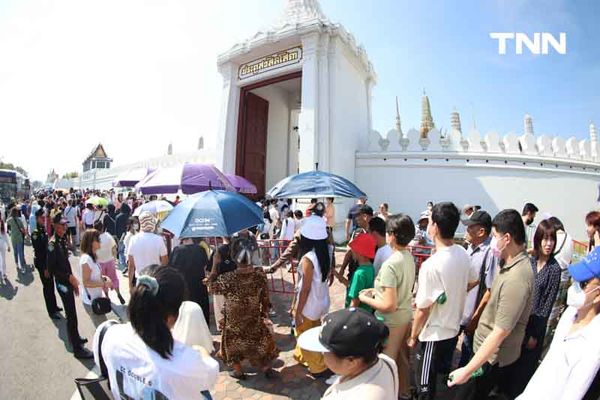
(509, 295)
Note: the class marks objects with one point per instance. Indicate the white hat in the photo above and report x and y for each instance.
(424, 215)
(314, 228)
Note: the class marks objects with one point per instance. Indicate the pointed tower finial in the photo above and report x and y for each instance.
(170, 149)
(298, 11)
(593, 133)
(455, 121)
(398, 124)
(528, 124)
(426, 119)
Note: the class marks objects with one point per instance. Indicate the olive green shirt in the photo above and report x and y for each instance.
(509, 308)
(397, 272)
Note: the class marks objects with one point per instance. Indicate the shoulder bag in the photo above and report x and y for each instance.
(97, 388)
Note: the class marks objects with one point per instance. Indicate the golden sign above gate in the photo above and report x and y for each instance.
(271, 62)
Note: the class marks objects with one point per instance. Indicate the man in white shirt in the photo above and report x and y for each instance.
(444, 280)
(145, 248)
(384, 251)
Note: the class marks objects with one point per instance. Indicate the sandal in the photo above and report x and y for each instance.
(270, 373)
(241, 376)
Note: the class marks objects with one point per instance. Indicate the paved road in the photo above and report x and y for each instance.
(36, 362)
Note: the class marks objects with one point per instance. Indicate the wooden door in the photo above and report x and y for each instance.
(253, 147)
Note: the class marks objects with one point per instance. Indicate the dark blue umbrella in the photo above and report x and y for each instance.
(212, 213)
(315, 184)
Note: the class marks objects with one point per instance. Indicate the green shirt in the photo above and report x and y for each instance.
(362, 279)
(509, 308)
(397, 272)
(16, 236)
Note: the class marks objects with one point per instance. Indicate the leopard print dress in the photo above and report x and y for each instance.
(245, 335)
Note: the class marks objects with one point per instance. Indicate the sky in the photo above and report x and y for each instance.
(137, 75)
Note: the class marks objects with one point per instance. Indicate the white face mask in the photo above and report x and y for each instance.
(576, 296)
(496, 251)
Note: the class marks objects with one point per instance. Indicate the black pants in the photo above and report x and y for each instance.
(433, 358)
(68, 300)
(48, 290)
(494, 378)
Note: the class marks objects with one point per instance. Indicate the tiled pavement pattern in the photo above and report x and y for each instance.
(292, 381)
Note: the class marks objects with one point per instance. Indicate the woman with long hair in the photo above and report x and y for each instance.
(547, 274)
(312, 291)
(94, 283)
(142, 358)
(245, 332)
(4, 247)
(592, 223)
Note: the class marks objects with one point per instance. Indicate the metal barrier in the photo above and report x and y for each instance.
(269, 252)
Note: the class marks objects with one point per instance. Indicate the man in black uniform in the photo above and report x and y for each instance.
(66, 283)
(39, 241)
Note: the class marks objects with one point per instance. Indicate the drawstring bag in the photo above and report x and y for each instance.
(97, 388)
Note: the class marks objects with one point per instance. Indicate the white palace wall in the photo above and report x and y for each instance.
(560, 177)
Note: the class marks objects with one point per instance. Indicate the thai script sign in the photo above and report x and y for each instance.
(271, 62)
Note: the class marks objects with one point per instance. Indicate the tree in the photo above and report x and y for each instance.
(20, 170)
(70, 175)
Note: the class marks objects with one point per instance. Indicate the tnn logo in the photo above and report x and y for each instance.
(539, 45)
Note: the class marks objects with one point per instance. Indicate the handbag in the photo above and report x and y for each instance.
(100, 305)
(97, 388)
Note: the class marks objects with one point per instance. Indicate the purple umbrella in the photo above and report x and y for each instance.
(241, 184)
(189, 178)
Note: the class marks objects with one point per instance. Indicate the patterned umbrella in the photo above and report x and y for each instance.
(189, 178)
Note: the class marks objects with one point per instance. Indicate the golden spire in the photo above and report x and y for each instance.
(426, 119)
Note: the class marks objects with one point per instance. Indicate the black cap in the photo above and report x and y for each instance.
(479, 218)
(345, 333)
(365, 209)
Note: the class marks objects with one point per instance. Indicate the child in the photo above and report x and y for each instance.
(363, 251)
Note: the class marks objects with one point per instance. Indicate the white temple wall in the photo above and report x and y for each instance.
(277, 133)
(408, 183)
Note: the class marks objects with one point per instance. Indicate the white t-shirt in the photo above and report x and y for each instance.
(274, 214)
(564, 248)
(126, 241)
(146, 248)
(382, 254)
(104, 253)
(70, 214)
(288, 229)
(96, 276)
(447, 271)
(317, 303)
(380, 382)
(137, 371)
(89, 216)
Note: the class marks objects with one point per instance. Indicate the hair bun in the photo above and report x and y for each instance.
(150, 282)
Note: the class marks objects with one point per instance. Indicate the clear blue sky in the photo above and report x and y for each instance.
(137, 75)
(444, 47)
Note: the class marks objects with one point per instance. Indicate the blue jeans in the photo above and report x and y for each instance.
(121, 254)
(19, 253)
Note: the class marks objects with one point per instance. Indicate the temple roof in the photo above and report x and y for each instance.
(97, 153)
(299, 17)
